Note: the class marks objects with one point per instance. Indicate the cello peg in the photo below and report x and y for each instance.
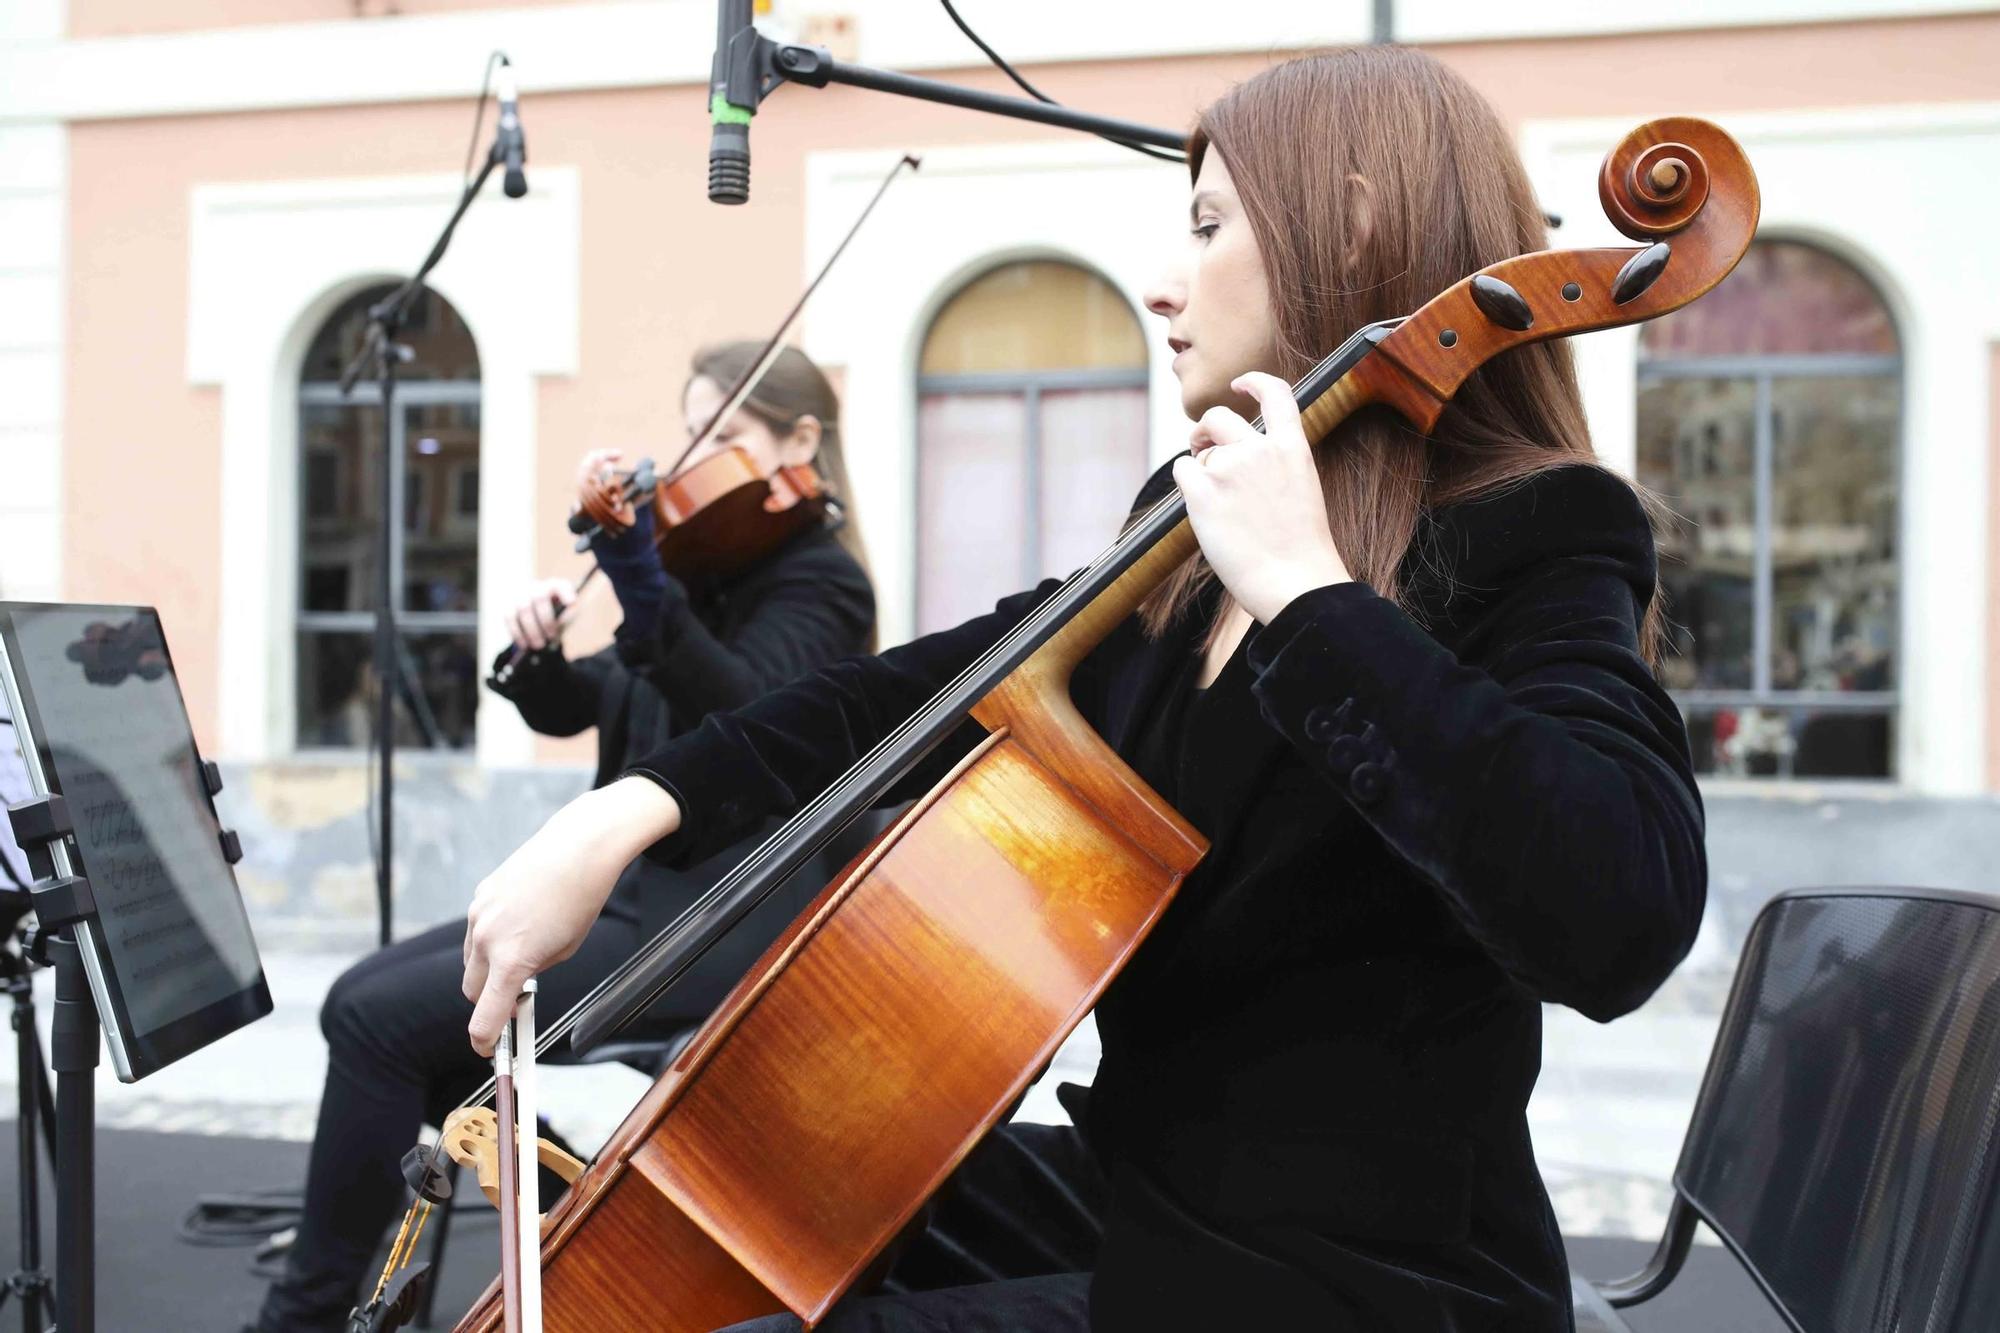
(1640, 272)
(1499, 302)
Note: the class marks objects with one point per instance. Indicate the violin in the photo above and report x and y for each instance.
(712, 520)
(745, 521)
(930, 982)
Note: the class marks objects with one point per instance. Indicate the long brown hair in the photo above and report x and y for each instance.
(792, 388)
(1373, 178)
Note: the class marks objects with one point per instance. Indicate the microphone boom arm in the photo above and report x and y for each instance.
(750, 66)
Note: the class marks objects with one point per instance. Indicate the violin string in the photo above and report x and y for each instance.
(1051, 606)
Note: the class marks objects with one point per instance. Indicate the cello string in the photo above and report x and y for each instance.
(1135, 534)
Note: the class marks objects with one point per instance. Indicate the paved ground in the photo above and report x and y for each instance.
(1607, 1119)
(149, 1280)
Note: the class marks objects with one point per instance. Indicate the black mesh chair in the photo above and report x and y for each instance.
(1844, 1143)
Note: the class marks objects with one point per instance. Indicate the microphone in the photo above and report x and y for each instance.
(511, 145)
(734, 70)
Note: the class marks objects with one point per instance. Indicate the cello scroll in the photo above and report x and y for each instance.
(1680, 183)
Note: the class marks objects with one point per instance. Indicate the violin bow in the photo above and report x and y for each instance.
(520, 1203)
(746, 384)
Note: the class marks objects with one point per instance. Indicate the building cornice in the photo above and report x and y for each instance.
(660, 43)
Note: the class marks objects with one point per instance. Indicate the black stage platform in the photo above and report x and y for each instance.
(149, 1280)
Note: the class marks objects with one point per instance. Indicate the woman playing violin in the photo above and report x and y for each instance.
(394, 1021)
(1405, 691)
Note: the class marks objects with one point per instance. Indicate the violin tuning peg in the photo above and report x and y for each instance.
(1499, 302)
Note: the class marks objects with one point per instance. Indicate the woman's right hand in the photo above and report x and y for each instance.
(537, 621)
(534, 910)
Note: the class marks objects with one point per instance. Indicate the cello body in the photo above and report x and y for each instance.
(879, 1038)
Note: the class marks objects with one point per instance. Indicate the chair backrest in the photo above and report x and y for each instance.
(1844, 1144)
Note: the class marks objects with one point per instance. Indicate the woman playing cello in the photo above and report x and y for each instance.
(1405, 691)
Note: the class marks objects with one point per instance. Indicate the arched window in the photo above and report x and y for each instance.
(433, 550)
(1031, 433)
(1769, 416)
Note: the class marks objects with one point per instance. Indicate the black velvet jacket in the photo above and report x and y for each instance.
(716, 647)
(1426, 822)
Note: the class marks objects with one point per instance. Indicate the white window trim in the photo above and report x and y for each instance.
(1886, 189)
(268, 264)
(34, 204)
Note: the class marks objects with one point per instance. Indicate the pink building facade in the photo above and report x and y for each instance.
(190, 190)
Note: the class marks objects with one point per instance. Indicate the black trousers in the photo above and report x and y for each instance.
(1009, 1247)
(398, 1059)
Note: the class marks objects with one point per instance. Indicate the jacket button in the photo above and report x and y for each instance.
(1325, 722)
(1368, 782)
(1344, 754)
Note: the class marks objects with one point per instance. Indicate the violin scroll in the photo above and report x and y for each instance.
(608, 502)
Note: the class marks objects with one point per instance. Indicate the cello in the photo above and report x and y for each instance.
(926, 986)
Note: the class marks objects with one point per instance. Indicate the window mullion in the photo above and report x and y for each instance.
(398, 484)
(1764, 590)
(1031, 557)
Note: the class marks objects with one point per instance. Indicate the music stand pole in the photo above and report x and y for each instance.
(73, 1047)
(28, 1283)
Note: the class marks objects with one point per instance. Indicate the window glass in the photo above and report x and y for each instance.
(432, 552)
(1697, 451)
(1031, 434)
(1783, 299)
(340, 483)
(441, 342)
(440, 549)
(1769, 417)
(1038, 315)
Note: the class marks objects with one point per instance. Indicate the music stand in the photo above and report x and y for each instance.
(137, 907)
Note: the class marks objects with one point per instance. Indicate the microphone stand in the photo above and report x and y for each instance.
(749, 66)
(380, 354)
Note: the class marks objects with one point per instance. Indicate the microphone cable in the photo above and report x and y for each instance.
(493, 62)
(1162, 154)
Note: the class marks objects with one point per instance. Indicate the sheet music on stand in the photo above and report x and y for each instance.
(124, 805)
(136, 904)
(14, 789)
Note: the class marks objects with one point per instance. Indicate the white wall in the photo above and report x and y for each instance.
(269, 262)
(33, 208)
(1898, 192)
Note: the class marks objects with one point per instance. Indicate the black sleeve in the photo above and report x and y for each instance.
(739, 768)
(556, 696)
(1546, 792)
(811, 610)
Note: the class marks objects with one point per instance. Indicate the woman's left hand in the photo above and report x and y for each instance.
(1255, 501)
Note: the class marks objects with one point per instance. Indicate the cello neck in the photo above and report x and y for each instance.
(1072, 621)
